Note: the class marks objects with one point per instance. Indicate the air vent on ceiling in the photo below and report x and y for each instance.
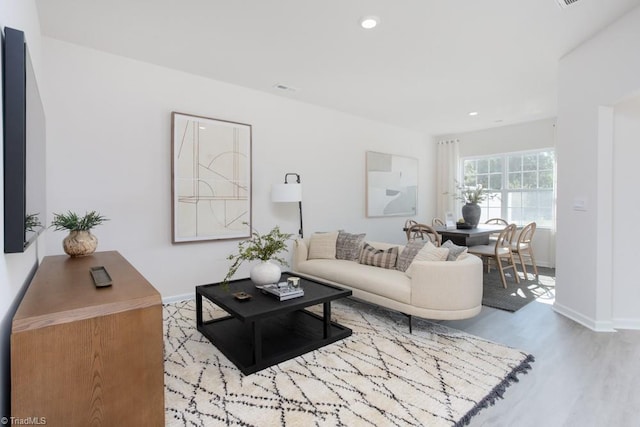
(566, 3)
(280, 86)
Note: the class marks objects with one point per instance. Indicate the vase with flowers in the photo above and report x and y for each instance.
(472, 196)
(265, 248)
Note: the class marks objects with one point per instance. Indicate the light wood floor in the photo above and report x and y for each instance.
(580, 377)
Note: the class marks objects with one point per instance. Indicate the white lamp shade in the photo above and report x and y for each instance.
(286, 192)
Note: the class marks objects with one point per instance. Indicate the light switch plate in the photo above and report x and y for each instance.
(579, 203)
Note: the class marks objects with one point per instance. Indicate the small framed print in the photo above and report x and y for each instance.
(450, 220)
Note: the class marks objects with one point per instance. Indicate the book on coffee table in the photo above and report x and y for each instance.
(282, 291)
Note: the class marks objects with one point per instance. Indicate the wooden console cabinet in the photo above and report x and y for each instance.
(87, 356)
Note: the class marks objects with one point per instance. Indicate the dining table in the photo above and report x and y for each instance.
(469, 236)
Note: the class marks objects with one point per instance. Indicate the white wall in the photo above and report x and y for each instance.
(15, 268)
(109, 150)
(626, 152)
(534, 135)
(595, 76)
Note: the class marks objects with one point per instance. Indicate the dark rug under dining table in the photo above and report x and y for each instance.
(516, 296)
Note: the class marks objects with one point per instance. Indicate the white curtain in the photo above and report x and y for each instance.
(447, 174)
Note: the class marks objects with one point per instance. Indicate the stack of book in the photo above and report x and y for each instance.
(283, 291)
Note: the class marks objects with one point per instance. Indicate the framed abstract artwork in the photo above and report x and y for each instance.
(392, 185)
(211, 179)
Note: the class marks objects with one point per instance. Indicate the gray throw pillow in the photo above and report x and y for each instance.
(348, 246)
(409, 253)
(454, 250)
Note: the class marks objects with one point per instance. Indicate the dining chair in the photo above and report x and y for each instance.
(408, 223)
(495, 221)
(500, 251)
(422, 232)
(523, 247)
(437, 222)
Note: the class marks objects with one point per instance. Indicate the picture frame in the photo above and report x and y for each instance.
(450, 221)
(211, 178)
(391, 185)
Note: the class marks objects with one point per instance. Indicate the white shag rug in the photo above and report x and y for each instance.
(379, 376)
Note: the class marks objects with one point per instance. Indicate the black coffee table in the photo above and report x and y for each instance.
(264, 331)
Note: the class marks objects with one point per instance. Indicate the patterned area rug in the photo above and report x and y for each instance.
(379, 376)
(517, 295)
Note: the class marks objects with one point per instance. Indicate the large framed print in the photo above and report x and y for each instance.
(392, 185)
(211, 178)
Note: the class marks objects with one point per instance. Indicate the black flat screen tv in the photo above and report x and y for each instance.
(24, 146)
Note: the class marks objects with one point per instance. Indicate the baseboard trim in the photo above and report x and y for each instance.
(594, 325)
(541, 264)
(179, 298)
(626, 323)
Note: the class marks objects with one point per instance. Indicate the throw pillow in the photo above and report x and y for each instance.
(323, 245)
(408, 254)
(431, 252)
(379, 257)
(455, 251)
(428, 253)
(348, 246)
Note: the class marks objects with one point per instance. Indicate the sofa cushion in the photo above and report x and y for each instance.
(388, 283)
(408, 253)
(455, 251)
(348, 246)
(385, 258)
(323, 245)
(429, 253)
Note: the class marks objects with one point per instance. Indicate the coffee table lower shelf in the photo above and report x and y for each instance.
(277, 338)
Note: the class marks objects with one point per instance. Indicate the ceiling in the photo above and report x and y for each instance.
(425, 67)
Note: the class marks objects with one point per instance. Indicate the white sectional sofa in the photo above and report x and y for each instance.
(443, 290)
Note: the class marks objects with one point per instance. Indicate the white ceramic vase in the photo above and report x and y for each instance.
(265, 273)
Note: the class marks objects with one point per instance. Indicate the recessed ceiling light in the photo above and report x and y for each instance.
(369, 22)
(202, 127)
(473, 113)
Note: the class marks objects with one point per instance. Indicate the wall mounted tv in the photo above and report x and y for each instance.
(24, 146)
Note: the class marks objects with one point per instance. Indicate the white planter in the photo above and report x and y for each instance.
(265, 273)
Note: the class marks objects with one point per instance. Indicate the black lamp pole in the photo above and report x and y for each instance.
(299, 202)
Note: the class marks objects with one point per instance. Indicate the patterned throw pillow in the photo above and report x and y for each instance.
(323, 245)
(455, 251)
(348, 246)
(379, 257)
(408, 253)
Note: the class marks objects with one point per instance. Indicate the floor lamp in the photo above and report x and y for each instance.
(288, 193)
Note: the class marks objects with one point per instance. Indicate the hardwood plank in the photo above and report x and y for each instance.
(580, 377)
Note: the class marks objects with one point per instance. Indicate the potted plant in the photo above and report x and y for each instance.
(32, 222)
(265, 248)
(471, 196)
(80, 241)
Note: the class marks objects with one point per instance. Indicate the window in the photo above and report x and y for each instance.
(522, 185)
